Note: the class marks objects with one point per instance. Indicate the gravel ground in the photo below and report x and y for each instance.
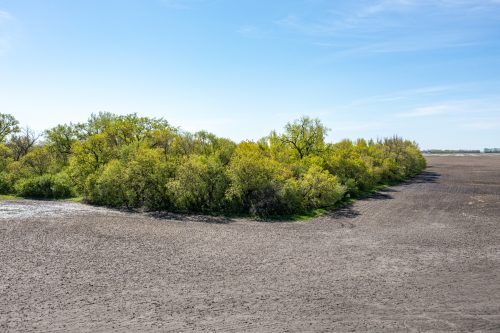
(422, 256)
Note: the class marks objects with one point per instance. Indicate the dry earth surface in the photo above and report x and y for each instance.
(422, 256)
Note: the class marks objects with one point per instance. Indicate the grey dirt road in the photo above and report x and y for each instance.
(422, 256)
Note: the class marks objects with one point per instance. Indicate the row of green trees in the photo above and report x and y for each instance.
(131, 161)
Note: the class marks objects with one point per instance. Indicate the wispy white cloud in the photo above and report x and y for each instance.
(387, 5)
(418, 92)
(426, 111)
(398, 46)
(411, 5)
(469, 109)
(409, 95)
(396, 26)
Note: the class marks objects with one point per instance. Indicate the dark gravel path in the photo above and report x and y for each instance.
(423, 256)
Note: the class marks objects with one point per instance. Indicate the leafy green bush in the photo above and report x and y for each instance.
(138, 181)
(108, 187)
(291, 197)
(144, 177)
(45, 187)
(5, 186)
(320, 189)
(200, 185)
(256, 181)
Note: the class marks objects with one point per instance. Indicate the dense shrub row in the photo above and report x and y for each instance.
(131, 161)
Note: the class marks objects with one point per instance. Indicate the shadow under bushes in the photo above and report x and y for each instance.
(380, 196)
(388, 189)
(343, 215)
(344, 212)
(191, 218)
(348, 212)
(424, 177)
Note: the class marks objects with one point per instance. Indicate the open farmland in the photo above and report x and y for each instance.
(424, 255)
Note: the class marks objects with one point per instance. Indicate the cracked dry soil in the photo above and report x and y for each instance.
(421, 256)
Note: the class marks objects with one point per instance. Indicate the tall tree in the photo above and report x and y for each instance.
(61, 139)
(305, 135)
(8, 125)
(21, 144)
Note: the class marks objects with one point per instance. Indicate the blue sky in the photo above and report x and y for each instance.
(426, 70)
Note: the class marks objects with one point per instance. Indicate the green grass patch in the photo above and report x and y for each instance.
(13, 196)
(75, 199)
(8, 196)
(309, 215)
(294, 217)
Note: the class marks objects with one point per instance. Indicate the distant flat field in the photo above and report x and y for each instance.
(424, 255)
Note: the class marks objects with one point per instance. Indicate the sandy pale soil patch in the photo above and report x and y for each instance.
(422, 256)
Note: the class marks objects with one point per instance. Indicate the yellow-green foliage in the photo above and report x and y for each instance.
(320, 188)
(132, 161)
(255, 180)
(199, 185)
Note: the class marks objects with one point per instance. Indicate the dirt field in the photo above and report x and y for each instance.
(423, 256)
